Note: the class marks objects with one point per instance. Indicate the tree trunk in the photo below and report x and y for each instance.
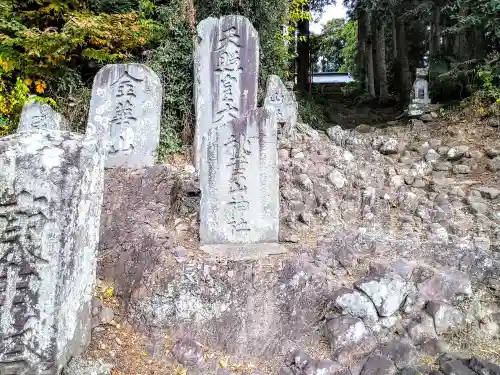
(479, 44)
(303, 56)
(370, 76)
(362, 34)
(435, 41)
(394, 38)
(403, 62)
(463, 41)
(381, 63)
(376, 76)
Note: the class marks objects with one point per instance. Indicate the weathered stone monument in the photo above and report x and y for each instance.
(226, 64)
(420, 94)
(235, 144)
(50, 203)
(126, 110)
(283, 103)
(239, 213)
(36, 115)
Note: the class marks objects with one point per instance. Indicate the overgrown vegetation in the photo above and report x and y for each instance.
(337, 46)
(458, 39)
(51, 50)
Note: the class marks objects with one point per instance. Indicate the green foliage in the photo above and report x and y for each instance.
(485, 14)
(331, 45)
(352, 89)
(268, 18)
(337, 46)
(114, 6)
(172, 60)
(50, 38)
(311, 112)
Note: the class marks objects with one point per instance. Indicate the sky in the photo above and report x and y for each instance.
(331, 12)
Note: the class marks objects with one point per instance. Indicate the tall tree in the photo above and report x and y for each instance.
(403, 63)
(303, 44)
(303, 55)
(370, 73)
(380, 50)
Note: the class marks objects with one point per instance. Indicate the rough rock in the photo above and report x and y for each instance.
(488, 192)
(478, 207)
(379, 365)
(446, 317)
(356, 304)
(389, 147)
(461, 169)
(482, 243)
(456, 367)
(494, 164)
(493, 152)
(364, 128)
(79, 366)
(445, 286)
(337, 179)
(402, 352)
(456, 153)
(387, 292)
(188, 351)
(305, 182)
(483, 367)
(349, 339)
(337, 135)
(414, 371)
(431, 156)
(421, 329)
(242, 308)
(299, 363)
(106, 315)
(134, 232)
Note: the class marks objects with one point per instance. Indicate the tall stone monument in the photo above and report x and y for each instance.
(125, 110)
(226, 67)
(50, 202)
(239, 211)
(36, 115)
(420, 101)
(283, 103)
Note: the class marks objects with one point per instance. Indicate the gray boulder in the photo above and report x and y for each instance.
(446, 318)
(387, 292)
(446, 286)
(349, 339)
(483, 367)
(379, 365)
(402, 352)
(356, 304)
(79, 366)
(389, 147)
(188, 351)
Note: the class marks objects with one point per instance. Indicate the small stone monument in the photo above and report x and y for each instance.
(283, 103)
(239, 213)
(420, 101)
(226, 66)
(125, 110)
(50, 202)
(36, 115)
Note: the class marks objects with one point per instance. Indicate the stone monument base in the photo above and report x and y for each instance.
(243, 251)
